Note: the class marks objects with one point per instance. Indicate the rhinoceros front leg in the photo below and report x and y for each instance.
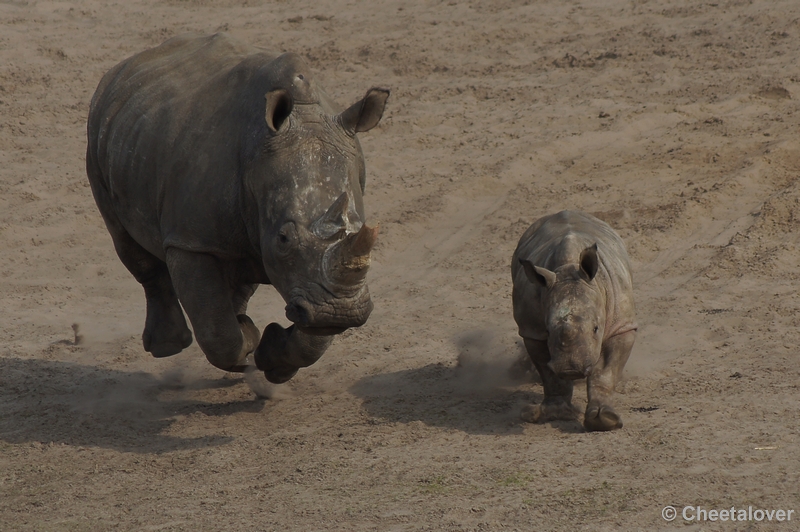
(600, 414)
(557, 402)
(208, 298)
(282, 352)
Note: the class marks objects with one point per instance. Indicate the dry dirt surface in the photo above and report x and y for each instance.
(676, 121)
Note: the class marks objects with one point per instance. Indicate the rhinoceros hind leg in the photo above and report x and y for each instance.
(165, 331)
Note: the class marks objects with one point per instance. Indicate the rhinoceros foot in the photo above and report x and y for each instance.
(280, 375)
(250, 333)
(250, 338)
(549, 411)
(269, 353)
(165, 332)
(601, 417)
(282, 352)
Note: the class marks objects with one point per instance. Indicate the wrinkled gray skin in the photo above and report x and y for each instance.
(573, 303)
(216, 168)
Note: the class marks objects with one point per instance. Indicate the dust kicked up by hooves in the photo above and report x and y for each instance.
(259, 385)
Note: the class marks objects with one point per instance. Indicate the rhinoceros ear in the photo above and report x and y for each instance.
(589, 261)
(279, 107)
(537, 274)
(366, 113)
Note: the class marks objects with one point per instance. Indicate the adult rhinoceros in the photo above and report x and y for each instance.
(216, 168)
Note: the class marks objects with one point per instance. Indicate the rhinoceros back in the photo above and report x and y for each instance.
(172, 131)
(557, 240)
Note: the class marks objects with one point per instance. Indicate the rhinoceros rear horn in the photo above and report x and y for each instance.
(366, 113)
(279, 107)
(334, 221)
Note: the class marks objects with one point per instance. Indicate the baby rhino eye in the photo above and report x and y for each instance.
(596, 328)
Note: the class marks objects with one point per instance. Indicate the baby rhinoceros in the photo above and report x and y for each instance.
(573, 303)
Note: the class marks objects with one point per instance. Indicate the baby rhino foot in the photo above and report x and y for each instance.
(549, 412)
(601, 417)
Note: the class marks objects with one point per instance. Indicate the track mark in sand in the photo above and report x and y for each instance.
(714, 229)
(441, 238)
(739, 225)
(716, 233)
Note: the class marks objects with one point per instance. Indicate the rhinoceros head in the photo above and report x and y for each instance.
(575, 314)
(314, 242)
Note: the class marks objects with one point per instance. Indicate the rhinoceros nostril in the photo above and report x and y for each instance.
(300, 312)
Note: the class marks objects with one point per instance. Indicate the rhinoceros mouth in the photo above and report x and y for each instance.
(571, 375)
(321, 331)
(329, 317)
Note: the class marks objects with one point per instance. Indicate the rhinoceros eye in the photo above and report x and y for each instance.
(596, 328)
(287, 238)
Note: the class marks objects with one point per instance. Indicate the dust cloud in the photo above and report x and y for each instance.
(264, 389)
(487, 361)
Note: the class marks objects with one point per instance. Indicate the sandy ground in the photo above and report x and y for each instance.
(676, 121)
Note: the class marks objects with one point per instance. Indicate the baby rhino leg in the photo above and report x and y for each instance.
(557, 403)
(600, 414)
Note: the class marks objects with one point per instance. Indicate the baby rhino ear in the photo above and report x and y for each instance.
(366, 113)
(589, 261)
(537, 274)
(279, 107)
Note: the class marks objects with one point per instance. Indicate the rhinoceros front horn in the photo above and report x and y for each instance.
(350, 257)
(364, 240)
